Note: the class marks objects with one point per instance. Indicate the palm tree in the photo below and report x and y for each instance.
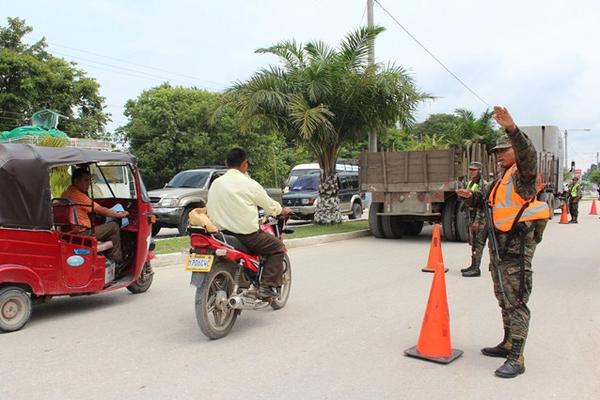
(323, 97)
(468, 129)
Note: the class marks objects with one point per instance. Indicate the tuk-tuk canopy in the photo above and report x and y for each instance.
(25, 196)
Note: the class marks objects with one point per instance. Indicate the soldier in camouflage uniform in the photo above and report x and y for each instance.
(478, 224)
(574, 193)
(517, 237)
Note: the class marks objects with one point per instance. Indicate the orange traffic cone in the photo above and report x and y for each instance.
(435, 252)
(563, 216)
(434, 340)
(593, 210)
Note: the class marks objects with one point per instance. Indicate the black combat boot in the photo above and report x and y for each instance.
(515, 363)
(473, 270)
(470, 267)
(502, 349)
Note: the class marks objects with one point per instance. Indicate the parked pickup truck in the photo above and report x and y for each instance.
(184, 192)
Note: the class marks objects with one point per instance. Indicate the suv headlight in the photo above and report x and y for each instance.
(167, 202)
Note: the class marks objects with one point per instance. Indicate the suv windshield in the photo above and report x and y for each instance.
(306, 182)
(189, 179)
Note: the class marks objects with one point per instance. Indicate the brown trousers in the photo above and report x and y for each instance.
(111, 231)
(272, 249)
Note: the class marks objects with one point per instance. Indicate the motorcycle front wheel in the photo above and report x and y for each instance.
(284, 291)
(214, 315)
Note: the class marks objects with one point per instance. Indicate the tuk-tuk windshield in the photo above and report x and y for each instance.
(112, 180)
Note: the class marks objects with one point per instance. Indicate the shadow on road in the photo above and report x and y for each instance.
(64, 306)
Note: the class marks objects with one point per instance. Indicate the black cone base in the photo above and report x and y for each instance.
(412, 352)
(432, 270)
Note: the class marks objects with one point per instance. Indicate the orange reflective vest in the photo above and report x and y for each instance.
(507, 205)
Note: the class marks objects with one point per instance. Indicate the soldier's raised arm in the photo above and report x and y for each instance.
(525, 153)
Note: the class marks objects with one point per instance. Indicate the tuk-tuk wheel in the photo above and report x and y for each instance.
(15, 308)
(144, 281)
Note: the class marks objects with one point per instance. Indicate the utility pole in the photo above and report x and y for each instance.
(370, 24)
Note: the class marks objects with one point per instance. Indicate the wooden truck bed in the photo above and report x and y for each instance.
(420, 171)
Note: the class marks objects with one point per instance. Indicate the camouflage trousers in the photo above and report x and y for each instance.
(478, 239)
(516, 274)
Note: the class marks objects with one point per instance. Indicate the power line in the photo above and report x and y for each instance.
(13, 119)
(128, 70)
(137, 64)
(432, 55)
(87, 66)
(363, 14)
(10, 112)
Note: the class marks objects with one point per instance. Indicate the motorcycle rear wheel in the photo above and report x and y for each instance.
(215, 317)
(284, 291)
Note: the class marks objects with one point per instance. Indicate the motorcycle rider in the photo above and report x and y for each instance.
(232, 205)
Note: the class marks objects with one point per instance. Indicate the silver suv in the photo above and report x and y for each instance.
(184, 192)
(303, 195)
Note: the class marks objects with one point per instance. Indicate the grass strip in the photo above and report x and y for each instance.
(178, 244)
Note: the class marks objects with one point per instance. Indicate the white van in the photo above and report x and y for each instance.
(313, 168)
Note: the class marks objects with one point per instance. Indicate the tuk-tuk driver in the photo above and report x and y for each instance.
(78, 194)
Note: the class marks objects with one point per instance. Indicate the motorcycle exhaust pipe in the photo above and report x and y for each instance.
(242, 303)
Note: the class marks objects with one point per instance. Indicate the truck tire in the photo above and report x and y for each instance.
(413, 228)
(462, 221)
(392, 227)
(356, 211)
(548, 198)
(448, 219)
(375, 220)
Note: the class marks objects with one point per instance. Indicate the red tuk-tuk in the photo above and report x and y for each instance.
(43, 253)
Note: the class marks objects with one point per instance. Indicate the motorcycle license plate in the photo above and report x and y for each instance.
(199, 262)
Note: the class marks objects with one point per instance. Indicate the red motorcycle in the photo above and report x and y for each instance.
(227, 277)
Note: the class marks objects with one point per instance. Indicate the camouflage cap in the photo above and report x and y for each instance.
(503, 142)
(475, 165)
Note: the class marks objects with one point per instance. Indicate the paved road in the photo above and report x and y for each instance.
(355, 307)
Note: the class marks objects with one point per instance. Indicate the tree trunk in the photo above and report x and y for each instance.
(328, 206)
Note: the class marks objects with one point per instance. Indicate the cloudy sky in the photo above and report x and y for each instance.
(538, 58)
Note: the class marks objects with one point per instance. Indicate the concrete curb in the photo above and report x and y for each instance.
(163, 260)
(314, 240)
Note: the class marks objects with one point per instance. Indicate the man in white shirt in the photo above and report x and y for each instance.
(232, 205)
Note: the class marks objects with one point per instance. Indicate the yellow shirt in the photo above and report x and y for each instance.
(232, 202)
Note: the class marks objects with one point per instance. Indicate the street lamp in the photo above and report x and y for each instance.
(566, 133)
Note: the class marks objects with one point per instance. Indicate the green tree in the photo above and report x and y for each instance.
(594, 176)
(459, 129)
(175, 128)
(324, 98)
(32, 79)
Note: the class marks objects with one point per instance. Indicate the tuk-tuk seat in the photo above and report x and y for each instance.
(65, 215)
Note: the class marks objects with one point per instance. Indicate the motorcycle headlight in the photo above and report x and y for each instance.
(167, 202)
